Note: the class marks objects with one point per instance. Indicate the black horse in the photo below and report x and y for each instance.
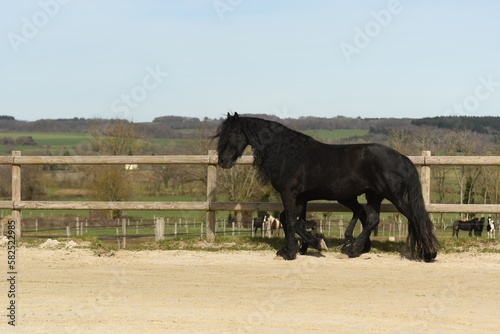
(479, 227)
(474, 225)
(258, 222)
(302, 169)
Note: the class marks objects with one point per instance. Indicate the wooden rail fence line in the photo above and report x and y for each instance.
(211, 206)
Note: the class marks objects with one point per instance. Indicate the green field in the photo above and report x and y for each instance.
(55, 142)
(58, 143)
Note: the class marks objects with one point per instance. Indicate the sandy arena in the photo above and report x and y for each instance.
(75, 291)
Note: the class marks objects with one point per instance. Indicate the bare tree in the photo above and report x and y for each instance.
(466, 142)
(400, 140)
(239, 184)
(112, 182)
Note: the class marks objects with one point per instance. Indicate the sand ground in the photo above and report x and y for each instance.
(75, 291)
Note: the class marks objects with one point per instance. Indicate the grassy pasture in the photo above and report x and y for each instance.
(55, 142)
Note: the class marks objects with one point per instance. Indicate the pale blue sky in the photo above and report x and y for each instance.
(143, 59)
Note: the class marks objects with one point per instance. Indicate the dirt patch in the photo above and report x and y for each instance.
(75, 291)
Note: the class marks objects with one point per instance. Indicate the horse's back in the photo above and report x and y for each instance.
(371, 155)
(352, 169)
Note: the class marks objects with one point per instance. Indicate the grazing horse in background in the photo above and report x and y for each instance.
(302, 169)
(490, 228)
(473, 225)
(479, 227)
(274, 225)
(259, 222)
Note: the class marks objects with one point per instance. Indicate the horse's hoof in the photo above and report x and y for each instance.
(349, 251)
(286, 255)
(430, 257)
(322, 245)
(367, 247)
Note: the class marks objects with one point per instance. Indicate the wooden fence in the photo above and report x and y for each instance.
(211, 205)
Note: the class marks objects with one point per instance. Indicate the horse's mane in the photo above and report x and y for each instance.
(272, 144)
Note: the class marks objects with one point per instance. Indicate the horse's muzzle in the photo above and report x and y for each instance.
(225, 164)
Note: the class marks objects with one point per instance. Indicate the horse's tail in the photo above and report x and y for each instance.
(421, 242)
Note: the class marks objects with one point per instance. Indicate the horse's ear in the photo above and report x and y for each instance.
(235, 115)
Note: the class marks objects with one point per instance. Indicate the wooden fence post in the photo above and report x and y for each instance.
(124, 232)
(211, 195)
(425, 179)
(16, 193)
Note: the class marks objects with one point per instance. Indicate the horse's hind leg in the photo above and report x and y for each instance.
(358, 212)
(362, 243)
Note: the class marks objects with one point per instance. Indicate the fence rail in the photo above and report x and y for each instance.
(211, 206)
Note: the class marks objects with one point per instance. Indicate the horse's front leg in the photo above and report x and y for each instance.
(308, 239)
(302, 214)
(289, 252)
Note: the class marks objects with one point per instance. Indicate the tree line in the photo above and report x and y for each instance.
(486, 124)
(168, 126)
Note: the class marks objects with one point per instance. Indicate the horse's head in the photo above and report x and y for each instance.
(232, 141)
